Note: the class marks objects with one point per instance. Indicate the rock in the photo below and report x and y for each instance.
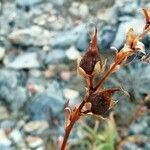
(42, 105)
(23, 61)
(58, 3)
(33, 35)
(123, 29)
(16, 97)
(24, 3)
(52, 22)
(11, 90)
(54, 57)
(49, 73)
(147, 146)
(138, 128)
(34, 142)
(65, 75)
(5, 143)
(33, 88)
(71, 94)
(7, 125)
(83, 41)
(67, 38)
(106, 37)
(128, 8)
(108, 14)
(16, 136)
(4, 111)
(55, 92)
(35, 73)
(141, 126)
(130, 146)
(37, 127)
(2, 52)
(72, 53)
(79, 9)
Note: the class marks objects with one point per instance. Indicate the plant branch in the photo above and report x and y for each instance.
(141, 36)
(70, 126)
(105, 76)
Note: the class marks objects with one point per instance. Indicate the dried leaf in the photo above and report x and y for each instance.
(67, 114)
(147, 18)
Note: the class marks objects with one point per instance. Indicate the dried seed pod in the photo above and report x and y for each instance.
(90, 62)
(101, 101)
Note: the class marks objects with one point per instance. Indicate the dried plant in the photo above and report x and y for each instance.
(98, 99)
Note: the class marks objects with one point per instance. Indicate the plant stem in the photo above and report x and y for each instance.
(105, 76)
(141, 36)
(69, 128)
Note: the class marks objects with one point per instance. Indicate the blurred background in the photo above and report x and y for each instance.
(40, 41)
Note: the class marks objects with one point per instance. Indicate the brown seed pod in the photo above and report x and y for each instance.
(101, 101)
(91, 58)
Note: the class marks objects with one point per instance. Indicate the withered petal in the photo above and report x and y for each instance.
(131, 37)
(147, 17)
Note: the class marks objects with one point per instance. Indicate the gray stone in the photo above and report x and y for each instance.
(147, 146)
(83, 41)
(2, 52)
(130, 146)
(79, 9)
(66, 38)
(37, 127)
(23, 61)
(106, 37)
(55, 56)
(128, 8)
(34, 142)
(123, 29)
(72, 53)
(5, 143)
(33, 35)
(23, 3)
(138, 128)
(16, 136)
(45, 105)
(11, 90)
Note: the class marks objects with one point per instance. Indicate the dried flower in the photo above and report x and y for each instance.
(131, 47)
(101, 101)
(90, 62)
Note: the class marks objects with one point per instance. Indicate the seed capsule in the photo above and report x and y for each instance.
(91, 59)
(102, 101)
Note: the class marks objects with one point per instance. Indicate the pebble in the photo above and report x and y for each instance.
(33, 141)
(2, 52)
(71, 94)
(65, 75)
(34, 35)
(23, 61)
(67, 38)
(79, 9)
(4, 111)
(24, 3)
(54, 57)
(41, 107)
(38, 126)
(72, 53)
(16, 136)
(4, 141)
